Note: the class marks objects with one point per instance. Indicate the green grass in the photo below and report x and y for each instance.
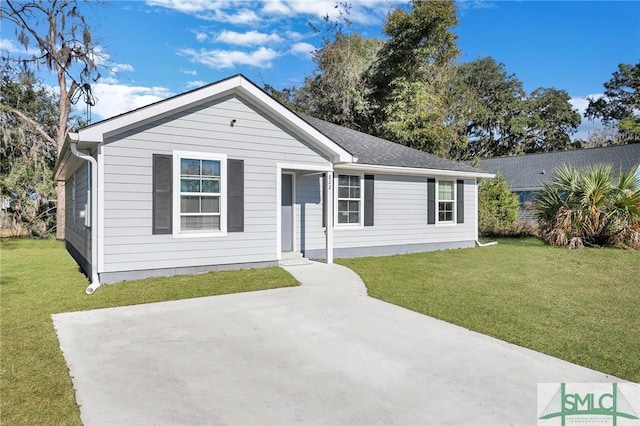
(579, 305)
(37, 279)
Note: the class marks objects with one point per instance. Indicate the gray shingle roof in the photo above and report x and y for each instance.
(529, 171)
(376, 151)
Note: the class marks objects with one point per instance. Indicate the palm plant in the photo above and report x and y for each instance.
(590, 208)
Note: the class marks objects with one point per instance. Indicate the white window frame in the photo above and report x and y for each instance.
(336, 185)
(453, 202)
(222, 158)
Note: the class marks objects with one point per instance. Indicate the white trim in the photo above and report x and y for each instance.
(222, 158)
(237, 84)
(293, 209)
(454, 202)
(100, 209)
(477, 207)
(305, 167)
(408, 171)
(328, 193)
(336, 182)
(278, 212)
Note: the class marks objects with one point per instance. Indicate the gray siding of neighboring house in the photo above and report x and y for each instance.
(77, 235)
(400, 222)
(262, 143)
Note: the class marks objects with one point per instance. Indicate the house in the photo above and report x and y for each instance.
(225, 176)
(527, 173)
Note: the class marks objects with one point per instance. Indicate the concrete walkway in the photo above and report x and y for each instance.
(322, 353)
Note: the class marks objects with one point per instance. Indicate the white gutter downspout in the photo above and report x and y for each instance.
(95, 281)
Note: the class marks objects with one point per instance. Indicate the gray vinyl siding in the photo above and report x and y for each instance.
(76, 234)
(262, 143)
(400, 218)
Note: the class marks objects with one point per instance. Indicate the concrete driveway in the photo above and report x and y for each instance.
(322, 353)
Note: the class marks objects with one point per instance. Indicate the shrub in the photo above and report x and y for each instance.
(590, 208)
(498, 208)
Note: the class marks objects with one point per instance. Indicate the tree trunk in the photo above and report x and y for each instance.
(60, 210)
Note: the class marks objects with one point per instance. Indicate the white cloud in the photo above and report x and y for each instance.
(219, 59)
(250, 38)
(114, 99)
(115, 68)
(361, 11)
(200, 36)
(294, 35)
(302, 49)
(9, 46)
(195, 84)
(586, 126)
(188, 72)
(210, 10)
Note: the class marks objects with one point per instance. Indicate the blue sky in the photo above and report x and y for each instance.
(158, 48)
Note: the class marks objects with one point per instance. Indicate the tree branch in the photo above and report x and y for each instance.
(31, 122)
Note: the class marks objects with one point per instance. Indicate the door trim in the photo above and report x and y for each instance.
(293, 210)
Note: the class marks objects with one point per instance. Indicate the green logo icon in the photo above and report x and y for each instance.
(566, 404)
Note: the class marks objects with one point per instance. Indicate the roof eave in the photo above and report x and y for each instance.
(65, 153)
(412, 171)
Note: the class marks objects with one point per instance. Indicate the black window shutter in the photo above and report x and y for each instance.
(323, 182)
(368, 200)
(162, 197)
(235, 195)
(431, 201)
(460, 201)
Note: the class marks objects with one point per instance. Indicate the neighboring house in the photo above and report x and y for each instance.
(526, 173)
(225, 176)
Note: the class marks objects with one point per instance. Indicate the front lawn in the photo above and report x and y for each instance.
(37, 279)
(579, 305)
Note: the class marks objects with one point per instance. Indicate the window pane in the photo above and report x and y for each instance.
(189, 185)
(343, 192)
(211, 185)
(348, 211)
(343, 180)
(210, 168)
(210, 204)
(445, 211)
(445, 190)
(354, 180)
(189, 166)
(200, 223)
(189, 204)
(355, 193)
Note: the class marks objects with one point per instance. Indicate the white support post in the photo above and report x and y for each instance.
(328, 193)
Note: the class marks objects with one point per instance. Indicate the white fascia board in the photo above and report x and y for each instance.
(65, 154)
(294, 122)
(99, 131)
(410, 171)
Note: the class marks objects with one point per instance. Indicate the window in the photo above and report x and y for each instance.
(200, 199)
(446, 200)
(349, 199)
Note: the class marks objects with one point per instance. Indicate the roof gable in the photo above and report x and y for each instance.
(237, 84)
